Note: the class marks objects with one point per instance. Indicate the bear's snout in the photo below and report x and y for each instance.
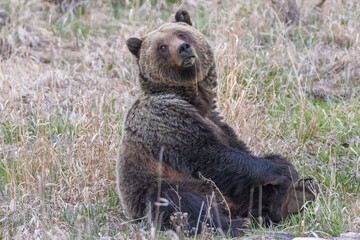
(185, 50)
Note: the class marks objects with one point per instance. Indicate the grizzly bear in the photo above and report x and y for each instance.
(177, 154)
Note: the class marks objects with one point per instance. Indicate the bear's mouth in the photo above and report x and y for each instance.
(189, 61)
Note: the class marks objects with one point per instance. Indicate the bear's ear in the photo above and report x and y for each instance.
(134, 45)
(183, 16)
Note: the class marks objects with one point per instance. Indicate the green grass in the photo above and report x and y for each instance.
(61, 122)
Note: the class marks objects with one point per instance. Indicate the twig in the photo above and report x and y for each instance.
(158, 204)
(198, 221)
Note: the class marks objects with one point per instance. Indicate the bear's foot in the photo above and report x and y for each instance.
(303, 192)
(180, 223)
(239, 225)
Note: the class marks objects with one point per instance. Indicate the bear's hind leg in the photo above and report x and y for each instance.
(180, 200)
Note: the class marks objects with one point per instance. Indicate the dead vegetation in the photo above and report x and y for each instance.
(289, 77)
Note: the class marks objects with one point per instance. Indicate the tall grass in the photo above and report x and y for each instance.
(66, 79)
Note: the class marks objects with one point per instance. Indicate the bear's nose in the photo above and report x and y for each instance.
(185, 50)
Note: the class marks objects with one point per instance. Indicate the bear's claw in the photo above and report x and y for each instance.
(303, 192)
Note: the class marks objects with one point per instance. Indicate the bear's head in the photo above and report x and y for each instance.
(174, 55)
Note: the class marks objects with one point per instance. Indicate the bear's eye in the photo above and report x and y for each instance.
(162, 47)
(181, 36)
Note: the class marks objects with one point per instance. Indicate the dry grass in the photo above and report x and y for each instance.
(66, 79)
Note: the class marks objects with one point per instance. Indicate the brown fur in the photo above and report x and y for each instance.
(176, 112)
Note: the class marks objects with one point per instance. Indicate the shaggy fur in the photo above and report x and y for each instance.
(177, 112)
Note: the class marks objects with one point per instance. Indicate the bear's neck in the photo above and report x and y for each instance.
(202, 96)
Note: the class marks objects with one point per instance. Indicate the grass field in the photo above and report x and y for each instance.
(289, 82)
